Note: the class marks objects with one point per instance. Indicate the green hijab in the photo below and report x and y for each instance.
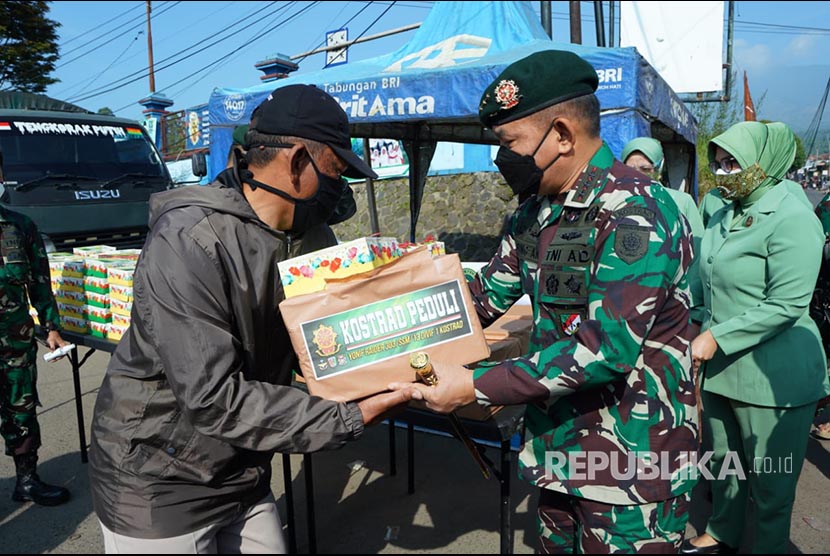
(771, 146)
(651, 149)
(239, 135)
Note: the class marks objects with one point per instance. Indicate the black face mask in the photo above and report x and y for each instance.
(311, 212)
(520, 170)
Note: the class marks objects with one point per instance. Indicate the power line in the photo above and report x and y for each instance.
(343, 25)
(330, 23)
(102, 72)
(345, 50)
(812, 131)
(166, 38)
(144, 72)
(223, 60)
(97, 27)
(246, 43)
(98, 35)
(781, 26)
(240, 47)
(93, 49)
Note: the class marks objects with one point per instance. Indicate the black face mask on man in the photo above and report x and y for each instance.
(520, 170)
(310, 212)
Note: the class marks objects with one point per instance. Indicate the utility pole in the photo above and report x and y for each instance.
(150, 49)
(546, 18)
(599, 19)
(611, 24)
(576, 22)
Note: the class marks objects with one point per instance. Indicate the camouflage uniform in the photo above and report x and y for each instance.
(823, 213)
(608, 374)
(24, 269)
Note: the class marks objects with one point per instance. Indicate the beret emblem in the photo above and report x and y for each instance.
(507, 94)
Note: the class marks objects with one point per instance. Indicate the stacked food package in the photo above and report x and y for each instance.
(120, 278)
(93, 288)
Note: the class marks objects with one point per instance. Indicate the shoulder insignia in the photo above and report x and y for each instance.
(592, 213)
(631, 243)
(645, 213)
(570, 323)
(572, 215)
(552, 284)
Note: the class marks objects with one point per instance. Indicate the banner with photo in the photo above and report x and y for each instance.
(197, 127)
(388, 156)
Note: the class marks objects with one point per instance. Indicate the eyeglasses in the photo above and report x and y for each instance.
(728, 165)
(645, 169)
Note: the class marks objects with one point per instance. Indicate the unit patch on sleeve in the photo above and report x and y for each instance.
(631, 243)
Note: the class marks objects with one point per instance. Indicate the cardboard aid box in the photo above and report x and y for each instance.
(355, 337)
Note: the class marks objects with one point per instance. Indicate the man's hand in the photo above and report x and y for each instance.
(54, 341)
(703, 349)
(375, 408)
(455, 388)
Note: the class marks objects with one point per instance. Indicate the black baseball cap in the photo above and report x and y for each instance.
(310, 113)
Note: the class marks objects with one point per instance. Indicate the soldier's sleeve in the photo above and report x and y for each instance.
(693, 275)
(823, 213)
(638, 262)
(40, 286)
(792, 266)
(498, 285)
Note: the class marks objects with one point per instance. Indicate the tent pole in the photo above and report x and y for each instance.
(370, 190)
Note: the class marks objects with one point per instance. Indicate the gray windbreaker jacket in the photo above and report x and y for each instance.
(196, 398)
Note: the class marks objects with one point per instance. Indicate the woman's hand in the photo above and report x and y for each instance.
(703, 349)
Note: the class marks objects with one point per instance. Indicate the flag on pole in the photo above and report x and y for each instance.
(749, 108)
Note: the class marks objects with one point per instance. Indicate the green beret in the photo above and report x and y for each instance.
(239, 135)
(542, 79)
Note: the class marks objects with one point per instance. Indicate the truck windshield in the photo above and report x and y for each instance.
(39, 149)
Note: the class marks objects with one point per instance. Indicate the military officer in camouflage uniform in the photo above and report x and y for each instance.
(611, 431)
(24, 275)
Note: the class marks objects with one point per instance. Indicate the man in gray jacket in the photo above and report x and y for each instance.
(197, 399)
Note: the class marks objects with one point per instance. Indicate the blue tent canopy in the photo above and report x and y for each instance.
(429, 89)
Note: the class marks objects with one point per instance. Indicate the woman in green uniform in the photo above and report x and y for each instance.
(764, 363)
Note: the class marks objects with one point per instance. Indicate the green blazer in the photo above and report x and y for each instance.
(758, 276)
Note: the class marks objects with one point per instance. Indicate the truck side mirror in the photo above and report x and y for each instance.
(198, 164)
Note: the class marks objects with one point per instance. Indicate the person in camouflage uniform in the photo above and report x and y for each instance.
(820, 310)
(24, 275)
(611, 431)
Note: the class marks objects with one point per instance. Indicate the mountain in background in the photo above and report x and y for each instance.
(791, 95)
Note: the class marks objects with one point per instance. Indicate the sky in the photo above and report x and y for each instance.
(198, 46)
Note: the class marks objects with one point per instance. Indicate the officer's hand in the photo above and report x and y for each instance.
(455, 388)
(703, 348)
(376, 408)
